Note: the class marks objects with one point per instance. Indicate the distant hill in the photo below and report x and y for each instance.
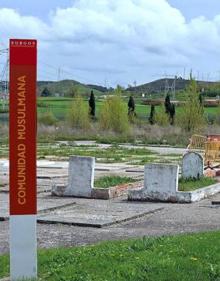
(63, 87)
(98, 88)
(158, 86)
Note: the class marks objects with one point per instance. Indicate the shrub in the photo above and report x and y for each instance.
(161, 118)
(73, 92)
(192, 116)
(78, 116)
(113, 115)
(47, 118)
(46, 93)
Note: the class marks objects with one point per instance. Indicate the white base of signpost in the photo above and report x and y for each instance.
(23, 247)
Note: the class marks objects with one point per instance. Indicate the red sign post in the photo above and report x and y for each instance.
(23, 128)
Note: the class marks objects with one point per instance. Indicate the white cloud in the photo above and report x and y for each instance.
(12, 24)
(119, 40)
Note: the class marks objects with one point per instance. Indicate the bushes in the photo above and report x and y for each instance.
(161, 118)
(113, 115)
(192, 118)
(78, 116)
(47, 118)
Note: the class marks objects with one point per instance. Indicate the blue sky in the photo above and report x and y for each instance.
(41, 8)
(195, 8)
(113, 42)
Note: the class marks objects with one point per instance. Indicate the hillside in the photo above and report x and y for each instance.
(63, 87)
(160, 85)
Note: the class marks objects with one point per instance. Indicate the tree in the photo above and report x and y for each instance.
(73, 91)
(92, 105)
(113, 115)
(152, 115)
(172, 113)
(46, 93)
(167, 104)
(200, 99)
(78, 114)
(131, 106)
(169, 109)
(192, 118)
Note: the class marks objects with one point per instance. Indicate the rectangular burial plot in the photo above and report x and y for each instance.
(98, 213)
(45, 203)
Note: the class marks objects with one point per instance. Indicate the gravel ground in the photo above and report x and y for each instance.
(173, 219)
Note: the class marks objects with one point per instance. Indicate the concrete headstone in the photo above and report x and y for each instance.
(192, 165)
(81, 176)
(160, 183)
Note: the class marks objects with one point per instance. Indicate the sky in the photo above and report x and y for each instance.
(110, 42)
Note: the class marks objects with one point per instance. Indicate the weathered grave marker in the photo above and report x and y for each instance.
(80, 180)
(160, 183)
(23, 205)
(192, 165)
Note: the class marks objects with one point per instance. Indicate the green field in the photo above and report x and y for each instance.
(194, 257)
(60, 107)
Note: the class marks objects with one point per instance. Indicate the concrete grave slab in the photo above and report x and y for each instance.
(192, 165)
(98, 213)
(45, 203)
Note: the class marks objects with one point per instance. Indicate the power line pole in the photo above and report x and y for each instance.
(4, 78)
(59, 74)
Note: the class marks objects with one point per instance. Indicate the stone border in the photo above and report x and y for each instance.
(102, 193)
(187, 196)
(115, 191)
(198, 194)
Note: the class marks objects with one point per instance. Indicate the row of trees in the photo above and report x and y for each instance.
(115, 115)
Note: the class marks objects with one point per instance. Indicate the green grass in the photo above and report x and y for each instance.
(108, 181)
(60, 107)
(193, 184)
(112, 154)
(194, 257)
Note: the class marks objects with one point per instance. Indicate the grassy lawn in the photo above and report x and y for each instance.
(60, 107)
(193, 184)
(108, 181)
(194, 257)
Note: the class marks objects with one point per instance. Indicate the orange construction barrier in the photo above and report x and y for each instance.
(197, 142)
(213, 138)
(212, 152)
